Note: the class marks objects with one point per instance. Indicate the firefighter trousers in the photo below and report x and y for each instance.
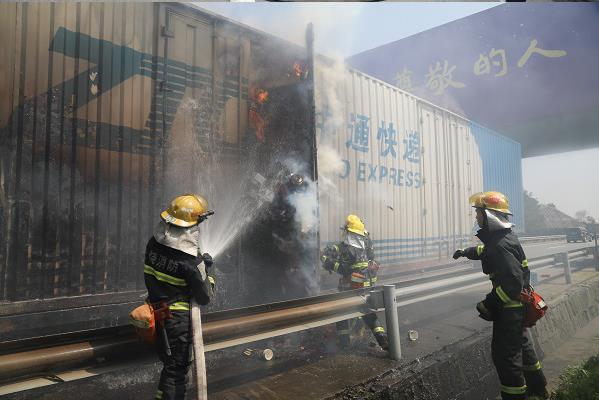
(173, 378)
(517, 365)
(371, 321)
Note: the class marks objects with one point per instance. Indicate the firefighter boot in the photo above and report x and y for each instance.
(343, 334)
(536, 389)
(381, 339)
(377, 330)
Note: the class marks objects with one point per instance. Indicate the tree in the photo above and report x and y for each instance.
(581, 215)
(533, 217)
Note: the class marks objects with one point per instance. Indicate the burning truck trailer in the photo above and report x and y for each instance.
(264, 249)
(110, 110)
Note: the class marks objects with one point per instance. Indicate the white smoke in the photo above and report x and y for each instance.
(329, 83)
(306, 207)
(330, 165)
(304, 201)
(289, 20)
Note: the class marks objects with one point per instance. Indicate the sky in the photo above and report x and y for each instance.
(569, 180)
(347, 28)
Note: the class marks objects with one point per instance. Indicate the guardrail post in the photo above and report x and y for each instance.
(596, 254)
(392, 321)
(534, 278)
(567, 272)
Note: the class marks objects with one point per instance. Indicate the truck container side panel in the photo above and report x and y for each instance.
(502, 168)
(408, 169)
(435, 170)
(454, 188)
(386, 214)
(99, 97)
(465, 218)
(412, 160)
(417, 138)
(425, 131)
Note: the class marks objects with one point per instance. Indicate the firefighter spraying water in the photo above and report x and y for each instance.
(176, 276)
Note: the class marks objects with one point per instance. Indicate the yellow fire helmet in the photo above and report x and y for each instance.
(354, 224)
(491, 201)
(185, 210)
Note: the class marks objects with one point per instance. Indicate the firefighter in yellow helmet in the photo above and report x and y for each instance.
(353, 259)
(174, 271)
(503, 259)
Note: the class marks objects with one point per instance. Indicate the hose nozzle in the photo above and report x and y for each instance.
(204, 216)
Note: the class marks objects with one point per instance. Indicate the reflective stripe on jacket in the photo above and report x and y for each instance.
(503, 259)
(173, 276)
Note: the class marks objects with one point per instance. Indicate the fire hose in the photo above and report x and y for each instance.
(199, 362)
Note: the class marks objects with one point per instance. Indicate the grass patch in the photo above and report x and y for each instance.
(579, 382)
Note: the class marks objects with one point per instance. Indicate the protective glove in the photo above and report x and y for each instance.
(208, 261)
(212, 280)
(328, 258)
(483, 311)
(458, 253)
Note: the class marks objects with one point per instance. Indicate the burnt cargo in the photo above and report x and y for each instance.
(111, 109)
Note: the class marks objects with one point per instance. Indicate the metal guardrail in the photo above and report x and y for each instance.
(234, 327)
(533, 239)
(564, 260)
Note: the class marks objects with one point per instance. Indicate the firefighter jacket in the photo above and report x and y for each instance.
(174, 276)
(351, 262)
(503, 259)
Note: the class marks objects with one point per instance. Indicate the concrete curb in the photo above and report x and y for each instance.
(568, 313)
(460, 371)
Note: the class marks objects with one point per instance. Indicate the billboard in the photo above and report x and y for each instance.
(528, 71)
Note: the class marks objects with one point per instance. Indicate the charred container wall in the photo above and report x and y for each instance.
(109, 110)
(404, 165)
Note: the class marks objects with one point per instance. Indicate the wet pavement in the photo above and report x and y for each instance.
(322, 370)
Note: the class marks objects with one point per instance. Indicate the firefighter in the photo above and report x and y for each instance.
(503, 259)
(353, 259)
(173, 272)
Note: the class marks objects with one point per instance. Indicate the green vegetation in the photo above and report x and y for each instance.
(580, 382)
(533, 216)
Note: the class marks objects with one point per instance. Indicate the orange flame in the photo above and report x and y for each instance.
(258, 95)
(297, 69)
(261, 96)
(258, 123)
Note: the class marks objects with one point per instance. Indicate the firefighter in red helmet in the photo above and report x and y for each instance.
(503, 259)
